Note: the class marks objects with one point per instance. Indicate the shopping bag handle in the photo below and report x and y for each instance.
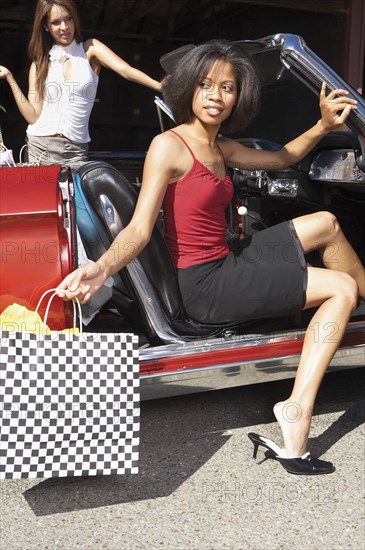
(74, 301)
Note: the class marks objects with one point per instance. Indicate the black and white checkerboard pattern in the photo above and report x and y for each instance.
(69, 405)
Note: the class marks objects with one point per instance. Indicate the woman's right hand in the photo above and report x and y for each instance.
(4, 72)
(82, 283)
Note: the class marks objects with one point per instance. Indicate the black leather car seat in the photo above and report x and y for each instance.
(147, 286)
(149, 281)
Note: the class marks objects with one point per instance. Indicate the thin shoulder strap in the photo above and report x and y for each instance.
(184, 142)
(191, 152)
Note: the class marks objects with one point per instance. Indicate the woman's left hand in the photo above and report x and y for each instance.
(335, 107)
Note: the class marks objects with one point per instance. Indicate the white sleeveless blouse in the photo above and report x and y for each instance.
(67, 104)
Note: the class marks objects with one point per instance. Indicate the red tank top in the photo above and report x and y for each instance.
(194, 215)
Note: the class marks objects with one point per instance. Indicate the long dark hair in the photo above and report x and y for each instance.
(179, 86)
(41, 41)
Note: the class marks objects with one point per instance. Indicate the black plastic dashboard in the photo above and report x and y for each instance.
(337, 166)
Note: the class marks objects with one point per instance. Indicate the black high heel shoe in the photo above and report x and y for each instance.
(302, 465)
(306, 465)
(273, 450)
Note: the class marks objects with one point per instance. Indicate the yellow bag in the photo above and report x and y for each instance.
(17, 318)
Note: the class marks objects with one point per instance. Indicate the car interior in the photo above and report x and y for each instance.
(145, 295)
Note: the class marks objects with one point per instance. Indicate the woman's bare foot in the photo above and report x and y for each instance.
(295, 424)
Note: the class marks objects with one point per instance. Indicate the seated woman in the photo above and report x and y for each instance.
(215, 87)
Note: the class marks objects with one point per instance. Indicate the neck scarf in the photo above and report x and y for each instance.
(60, 53)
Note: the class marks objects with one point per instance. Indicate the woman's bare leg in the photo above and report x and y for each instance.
(336, 294)
(321, 231)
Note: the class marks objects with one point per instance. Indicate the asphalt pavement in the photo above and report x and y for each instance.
(199, 487)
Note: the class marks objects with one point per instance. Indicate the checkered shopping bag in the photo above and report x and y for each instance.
(69, 404)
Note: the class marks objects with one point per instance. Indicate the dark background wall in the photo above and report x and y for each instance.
(124, 116)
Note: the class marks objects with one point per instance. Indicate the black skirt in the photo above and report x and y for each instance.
(264, 277)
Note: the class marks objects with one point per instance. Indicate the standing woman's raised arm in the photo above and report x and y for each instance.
(96, 50)
(30, 108)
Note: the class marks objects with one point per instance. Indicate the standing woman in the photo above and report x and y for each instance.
(63, 81)
(215, 86)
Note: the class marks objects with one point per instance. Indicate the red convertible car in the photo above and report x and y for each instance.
(52, 219)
